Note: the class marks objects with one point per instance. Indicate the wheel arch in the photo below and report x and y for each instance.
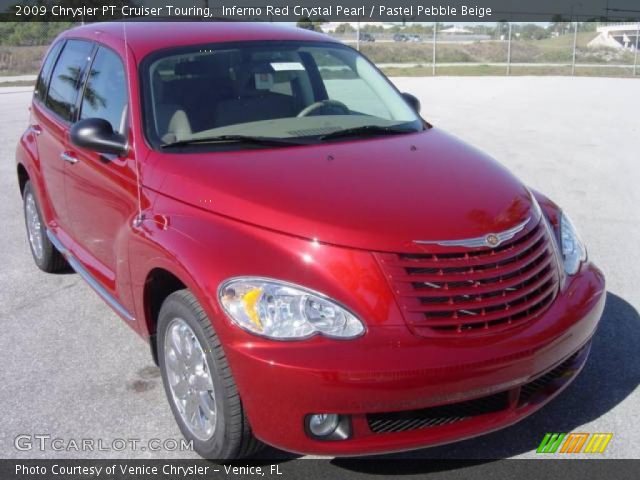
(158, 285)
(23, 177)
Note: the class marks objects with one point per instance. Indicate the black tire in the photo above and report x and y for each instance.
(232, 437)
(51, 260)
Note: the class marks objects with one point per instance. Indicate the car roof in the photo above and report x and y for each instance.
(146, 37)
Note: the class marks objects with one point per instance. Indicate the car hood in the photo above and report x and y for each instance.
(379, 193)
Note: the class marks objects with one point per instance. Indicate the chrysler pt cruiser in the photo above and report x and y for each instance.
(314, 266)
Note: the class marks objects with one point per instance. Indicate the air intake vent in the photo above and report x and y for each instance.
(540, 384)
(435, 416)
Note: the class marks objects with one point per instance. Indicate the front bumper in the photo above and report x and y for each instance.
(389, 375)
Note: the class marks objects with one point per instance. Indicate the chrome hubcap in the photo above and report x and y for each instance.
(189, 378)
(34, 229)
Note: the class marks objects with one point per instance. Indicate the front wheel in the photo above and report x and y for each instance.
(198, 382)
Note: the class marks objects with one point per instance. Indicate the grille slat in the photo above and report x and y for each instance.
(528, 391)
(483, 301)
(472, 274)
(474, 316)
(432, 417)
(487, 262)
(412, 290)
(436, 416)
(477, 289)
(472, 257)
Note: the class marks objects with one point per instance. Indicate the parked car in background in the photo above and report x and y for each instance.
(400, 37)
(314, 265)
(367, 37)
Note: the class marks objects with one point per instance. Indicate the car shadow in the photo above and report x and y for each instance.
(601, 386)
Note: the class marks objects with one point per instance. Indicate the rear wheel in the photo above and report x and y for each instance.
(198, 382)
(45, 255)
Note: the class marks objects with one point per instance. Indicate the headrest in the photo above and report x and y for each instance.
(191, 67)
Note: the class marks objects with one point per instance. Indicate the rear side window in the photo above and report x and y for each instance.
(105, 95)
(66, 79)
(42, 84)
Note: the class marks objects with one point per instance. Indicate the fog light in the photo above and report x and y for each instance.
(323, 424)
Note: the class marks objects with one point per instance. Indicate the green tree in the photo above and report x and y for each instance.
(587, 26)
(308, 24)
(558, 25)
(344, 28)
(502, 28)
(30, 33)
(532, 32)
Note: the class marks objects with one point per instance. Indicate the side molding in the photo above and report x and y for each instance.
(93, 283)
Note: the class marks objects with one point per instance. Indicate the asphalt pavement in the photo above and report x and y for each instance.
(73, 370)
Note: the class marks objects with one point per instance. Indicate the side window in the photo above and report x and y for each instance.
(45, 73)
(346, 85)
(67, 78)
(105, 95)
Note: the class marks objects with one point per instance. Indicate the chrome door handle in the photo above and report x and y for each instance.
(35, 129)
(68, 158)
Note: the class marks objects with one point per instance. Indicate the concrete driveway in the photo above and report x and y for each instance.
(73, 370)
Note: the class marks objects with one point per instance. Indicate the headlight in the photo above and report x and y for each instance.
(283, 311)
(573, 250)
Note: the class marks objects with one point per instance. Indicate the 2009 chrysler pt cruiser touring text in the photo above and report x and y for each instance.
(314, 265)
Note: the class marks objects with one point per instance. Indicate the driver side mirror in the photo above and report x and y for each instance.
(412, 101)
(97, 134)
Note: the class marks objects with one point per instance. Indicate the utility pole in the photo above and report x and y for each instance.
(635, 58)
(575, 42)
(433, 54)
(509, 52)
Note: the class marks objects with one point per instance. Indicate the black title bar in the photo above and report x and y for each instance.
(323, 10)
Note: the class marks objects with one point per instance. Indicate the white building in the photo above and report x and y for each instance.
(621, 35)
(456, 30)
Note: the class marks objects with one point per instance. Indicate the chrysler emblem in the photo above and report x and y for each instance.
(492, 240)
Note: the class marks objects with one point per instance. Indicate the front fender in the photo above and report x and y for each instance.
(203, 249)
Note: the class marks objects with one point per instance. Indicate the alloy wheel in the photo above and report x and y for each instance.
(34, 227)
(189, 379)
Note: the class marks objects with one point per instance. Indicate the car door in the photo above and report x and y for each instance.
(101, 189)
(52, 112)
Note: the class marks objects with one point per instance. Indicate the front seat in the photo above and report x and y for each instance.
(252, 103)
(172, 123)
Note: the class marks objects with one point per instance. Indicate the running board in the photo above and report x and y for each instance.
(93, 283)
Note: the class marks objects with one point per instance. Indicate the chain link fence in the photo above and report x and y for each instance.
(567, 48)
(563, 48)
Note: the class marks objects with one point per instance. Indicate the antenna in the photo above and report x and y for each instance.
(137, 221)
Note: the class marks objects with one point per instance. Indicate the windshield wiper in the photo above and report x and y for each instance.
(267, 141)
(366, 130)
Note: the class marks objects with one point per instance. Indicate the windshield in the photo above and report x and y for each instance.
(213, 95)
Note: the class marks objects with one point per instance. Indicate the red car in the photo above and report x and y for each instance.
(314, 266)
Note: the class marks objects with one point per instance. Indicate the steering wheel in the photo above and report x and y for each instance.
(328, 104)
